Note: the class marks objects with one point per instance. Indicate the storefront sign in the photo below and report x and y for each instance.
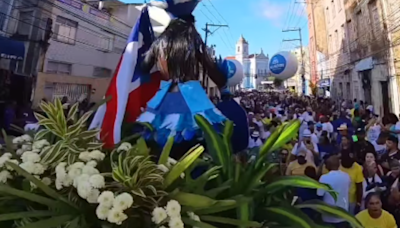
(75, 4)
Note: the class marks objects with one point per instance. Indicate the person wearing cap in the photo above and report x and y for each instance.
(318, 129)
(298, 166)
(391, 153)
(255, 140)
(343, 131)
(307, 145)
(342, 122)
(361, 147)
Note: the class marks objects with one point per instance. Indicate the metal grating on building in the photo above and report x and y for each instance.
(74, 92)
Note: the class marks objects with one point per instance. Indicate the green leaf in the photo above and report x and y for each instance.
(29, 196)
(183, 164)
(229, 221)
(193, 223)
(297, 182)
(72, 112)
(192, 200)
(288, 133)
(27, 214)
(10, 145)
(256, 177)
(50, 223)
(166, 151)
(220, 206)
(142, 147)
(39, 184)
(265, 149)
(325, 208)
(289, 216)
(214, 142)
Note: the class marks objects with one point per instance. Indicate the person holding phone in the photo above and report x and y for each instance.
(372, 182)
(311, 149)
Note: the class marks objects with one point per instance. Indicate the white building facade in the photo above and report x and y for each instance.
(255, 66)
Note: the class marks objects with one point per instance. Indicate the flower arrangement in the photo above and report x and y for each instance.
(62, 177)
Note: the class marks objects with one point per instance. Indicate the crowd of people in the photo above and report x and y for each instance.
(344, 144)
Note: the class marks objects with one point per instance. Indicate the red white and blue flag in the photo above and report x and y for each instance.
(130, 89)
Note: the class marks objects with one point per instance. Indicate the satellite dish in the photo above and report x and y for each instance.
(283, 65)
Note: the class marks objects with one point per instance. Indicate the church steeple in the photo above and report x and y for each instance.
(242, 48)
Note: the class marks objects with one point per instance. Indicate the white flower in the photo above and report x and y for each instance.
(102, 212)
(28, 167)
(4, 176)
(38, 145)
(81, 178)
(76, 165)
(158, 215)
(123, 201)
(106, 198)
(182, 175)
(163, 168)
(17, 140)
(84, 189)
(92, 163)
(97, 181)
(61, 167)
(172, 162)
(30, 157)
(26, 147)
(93, 195)
(36, 150)
(46, 181)
(38, 169)
(12, 161)
(89, 170)
(7, 155)
(3, 161)
(175, 222)
(97, 155)
(84, 156)
(26, 138)
(59, 184)
(74, 173)
(116, 216)
(124, 147)
(173, 208)
(67, 181)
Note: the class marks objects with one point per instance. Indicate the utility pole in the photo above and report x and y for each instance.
(207, 31)
(301, 53)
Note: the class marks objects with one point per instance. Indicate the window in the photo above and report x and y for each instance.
(330, 44)
(65, 30)
(238, 49)
(5, 7)
(333, 9)
(25, 22)
(328, 17)
(337, 46)
(100, 72)
(343, 36)
(58, 68)
(106, 43)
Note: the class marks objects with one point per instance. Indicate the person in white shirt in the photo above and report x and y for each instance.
(306, 117)
(372, 182)
(254, 140)
(311, 128)
(327, 126)
(318, 130)
(340, 183)
(307, 145)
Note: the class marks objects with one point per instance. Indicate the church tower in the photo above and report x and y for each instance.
(242, 48)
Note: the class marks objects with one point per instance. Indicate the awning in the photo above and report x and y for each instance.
(365, 64)
(11, 49)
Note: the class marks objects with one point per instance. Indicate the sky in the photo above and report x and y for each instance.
(259, 21)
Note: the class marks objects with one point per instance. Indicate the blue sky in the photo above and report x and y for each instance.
(260, 21)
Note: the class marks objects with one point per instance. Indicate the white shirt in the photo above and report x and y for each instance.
(340, 182)
(371, 180)
(314, 138)
(309, 155)
(327, 127)
(254, 143)
(373, 133)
